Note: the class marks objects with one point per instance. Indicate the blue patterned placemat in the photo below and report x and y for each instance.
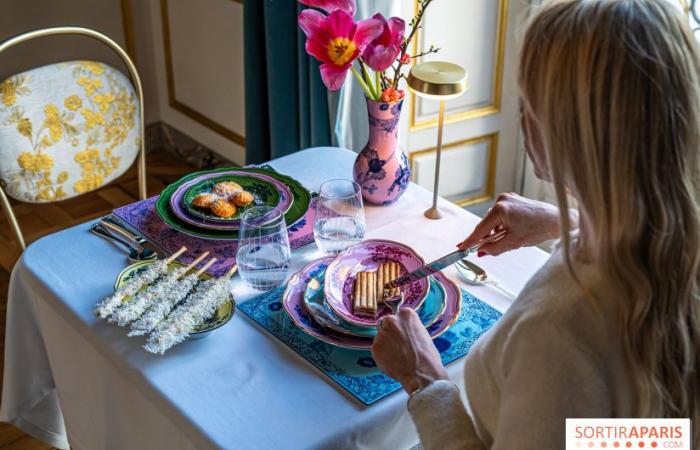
(355, 370)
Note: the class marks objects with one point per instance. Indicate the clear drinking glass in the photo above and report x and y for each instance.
(340, 218)
(263, 250)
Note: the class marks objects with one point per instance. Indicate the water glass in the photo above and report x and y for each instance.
(263, 248)
(340, 218)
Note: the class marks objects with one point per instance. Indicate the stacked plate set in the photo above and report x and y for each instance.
(319, 298)
(177, 208)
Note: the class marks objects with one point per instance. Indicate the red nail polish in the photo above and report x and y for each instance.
(479, 254)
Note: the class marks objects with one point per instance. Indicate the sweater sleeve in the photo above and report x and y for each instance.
(547, 377)
(442, 420)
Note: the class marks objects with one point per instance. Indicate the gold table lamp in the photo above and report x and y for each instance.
(437, 80)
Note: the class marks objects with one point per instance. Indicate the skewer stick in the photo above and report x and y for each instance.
(205, 267)
(172, 257)
(231, 271)
(194, 263)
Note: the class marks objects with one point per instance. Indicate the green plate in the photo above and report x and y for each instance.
(300, 205)
(223, 313)
(264, 193)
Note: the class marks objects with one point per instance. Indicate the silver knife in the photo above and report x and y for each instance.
(441, 263)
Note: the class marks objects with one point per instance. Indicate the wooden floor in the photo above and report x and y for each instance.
(39, 220)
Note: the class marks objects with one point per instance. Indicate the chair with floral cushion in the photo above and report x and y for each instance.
(68, 128)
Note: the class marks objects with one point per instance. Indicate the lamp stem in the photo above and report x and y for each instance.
(433, 212)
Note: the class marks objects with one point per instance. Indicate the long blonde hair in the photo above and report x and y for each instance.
(614, 86)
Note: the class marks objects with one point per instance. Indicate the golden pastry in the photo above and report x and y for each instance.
(242, 198)
(223, 208)
(388, 271)
(381, 281)
(226, 188)
(204, 200)
(365, 298)
(394, 273)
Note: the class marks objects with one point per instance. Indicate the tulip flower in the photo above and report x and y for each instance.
(336, 40)
(331, 5)
(383, 51)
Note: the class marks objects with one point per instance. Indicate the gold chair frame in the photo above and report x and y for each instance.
(80, 31)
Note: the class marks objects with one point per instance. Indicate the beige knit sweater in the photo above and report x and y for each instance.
(552, 356)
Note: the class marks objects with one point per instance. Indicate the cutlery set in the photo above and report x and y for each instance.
(138, 248)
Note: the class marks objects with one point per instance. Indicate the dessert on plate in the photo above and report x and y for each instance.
(224, 200)
(369, 289)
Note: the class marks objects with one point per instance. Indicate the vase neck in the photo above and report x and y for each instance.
(383, 124)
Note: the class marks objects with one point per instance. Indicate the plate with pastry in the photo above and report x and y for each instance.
(212, 209)
(226, 197)
(298, 285)
(354, 281)
(206, 200)
(295, 198)
(315, 304)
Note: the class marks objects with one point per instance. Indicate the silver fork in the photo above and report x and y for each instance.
(394, 302)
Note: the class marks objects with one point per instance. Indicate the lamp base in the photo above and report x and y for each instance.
(433, 213)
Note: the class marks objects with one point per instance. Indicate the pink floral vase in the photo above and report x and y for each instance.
(381, 168)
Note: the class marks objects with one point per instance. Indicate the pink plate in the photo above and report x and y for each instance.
(293, 302)
(368, 255)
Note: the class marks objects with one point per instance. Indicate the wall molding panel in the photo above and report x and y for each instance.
(418, 121)
(128, 24)
(179, 105)
(482, 193)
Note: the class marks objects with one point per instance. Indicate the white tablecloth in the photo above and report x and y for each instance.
(71, 378)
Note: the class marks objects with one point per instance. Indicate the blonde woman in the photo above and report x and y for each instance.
(610, 325)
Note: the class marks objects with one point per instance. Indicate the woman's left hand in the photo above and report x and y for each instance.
(404, 350)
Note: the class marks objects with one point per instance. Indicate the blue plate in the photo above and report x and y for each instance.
(315, 303)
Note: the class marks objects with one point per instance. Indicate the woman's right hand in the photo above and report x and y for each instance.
(527, 222)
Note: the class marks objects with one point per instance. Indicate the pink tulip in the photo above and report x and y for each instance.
(332, 5)
(383, 51)
(336, 40)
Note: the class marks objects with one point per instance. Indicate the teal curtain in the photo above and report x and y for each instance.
(286, 102)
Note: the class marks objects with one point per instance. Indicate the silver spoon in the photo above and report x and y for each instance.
(134, 254)
(110, 220)
(114, 228)
(476, 276)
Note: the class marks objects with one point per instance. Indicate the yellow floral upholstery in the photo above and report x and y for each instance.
(66, 129)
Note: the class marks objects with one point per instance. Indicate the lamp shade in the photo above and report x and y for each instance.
(438, 79)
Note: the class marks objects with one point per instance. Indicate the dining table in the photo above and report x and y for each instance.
(71, 379)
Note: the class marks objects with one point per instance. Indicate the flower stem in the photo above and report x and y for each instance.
(378, 79)
(366, 88)
(415, 25)
(368, 80)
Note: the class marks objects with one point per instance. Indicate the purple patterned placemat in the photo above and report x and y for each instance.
(143, 218)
